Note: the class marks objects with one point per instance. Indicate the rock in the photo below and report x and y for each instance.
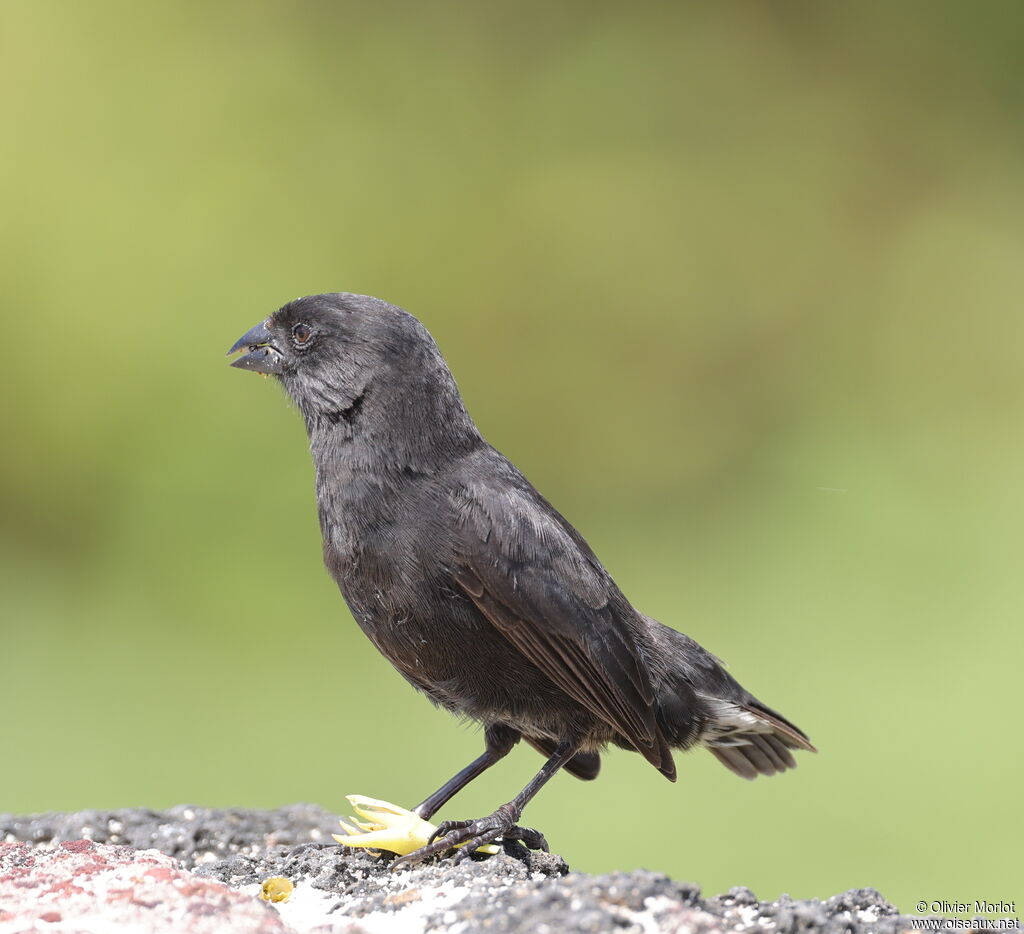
(85, 886)
(190, 834)
(199, 869)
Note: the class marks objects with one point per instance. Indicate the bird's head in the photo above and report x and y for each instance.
(335, 352)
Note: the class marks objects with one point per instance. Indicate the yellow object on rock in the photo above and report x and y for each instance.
(387, 826)
(276, 889)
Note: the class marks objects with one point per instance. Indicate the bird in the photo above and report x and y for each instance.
(474, 587)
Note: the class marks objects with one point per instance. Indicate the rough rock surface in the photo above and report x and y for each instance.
(84, 886)
(196, 869)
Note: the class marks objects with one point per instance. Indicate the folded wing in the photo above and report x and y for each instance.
(535, 579)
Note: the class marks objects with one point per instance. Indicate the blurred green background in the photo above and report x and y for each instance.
(737, 285)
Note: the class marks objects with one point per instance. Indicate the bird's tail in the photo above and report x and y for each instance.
(751, 739)
(699, 702)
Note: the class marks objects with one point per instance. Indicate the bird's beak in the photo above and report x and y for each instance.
(261, 355)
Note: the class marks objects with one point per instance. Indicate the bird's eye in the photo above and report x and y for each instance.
(302, 333)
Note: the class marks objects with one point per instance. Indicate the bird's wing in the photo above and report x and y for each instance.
(539, 584)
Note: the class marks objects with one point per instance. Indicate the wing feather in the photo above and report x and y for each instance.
(537, 582)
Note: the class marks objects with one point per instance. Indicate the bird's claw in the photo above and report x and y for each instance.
(469, 835)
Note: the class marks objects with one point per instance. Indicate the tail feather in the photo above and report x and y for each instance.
(783, 757)
(788, 732)
(760, 755)
(750, 739)
(698, 701)
(775, 751)
(754, 751)
(733, 758)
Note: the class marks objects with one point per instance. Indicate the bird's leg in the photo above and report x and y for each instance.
(499, 741)
(502, 823)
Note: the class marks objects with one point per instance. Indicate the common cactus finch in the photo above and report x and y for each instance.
(473, 586)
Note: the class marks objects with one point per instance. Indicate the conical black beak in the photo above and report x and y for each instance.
(261, 355)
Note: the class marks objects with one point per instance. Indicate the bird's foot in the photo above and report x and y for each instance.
(468, 835)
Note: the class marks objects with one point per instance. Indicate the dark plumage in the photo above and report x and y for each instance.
(472, 585)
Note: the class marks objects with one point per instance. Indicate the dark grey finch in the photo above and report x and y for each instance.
(473, 586)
